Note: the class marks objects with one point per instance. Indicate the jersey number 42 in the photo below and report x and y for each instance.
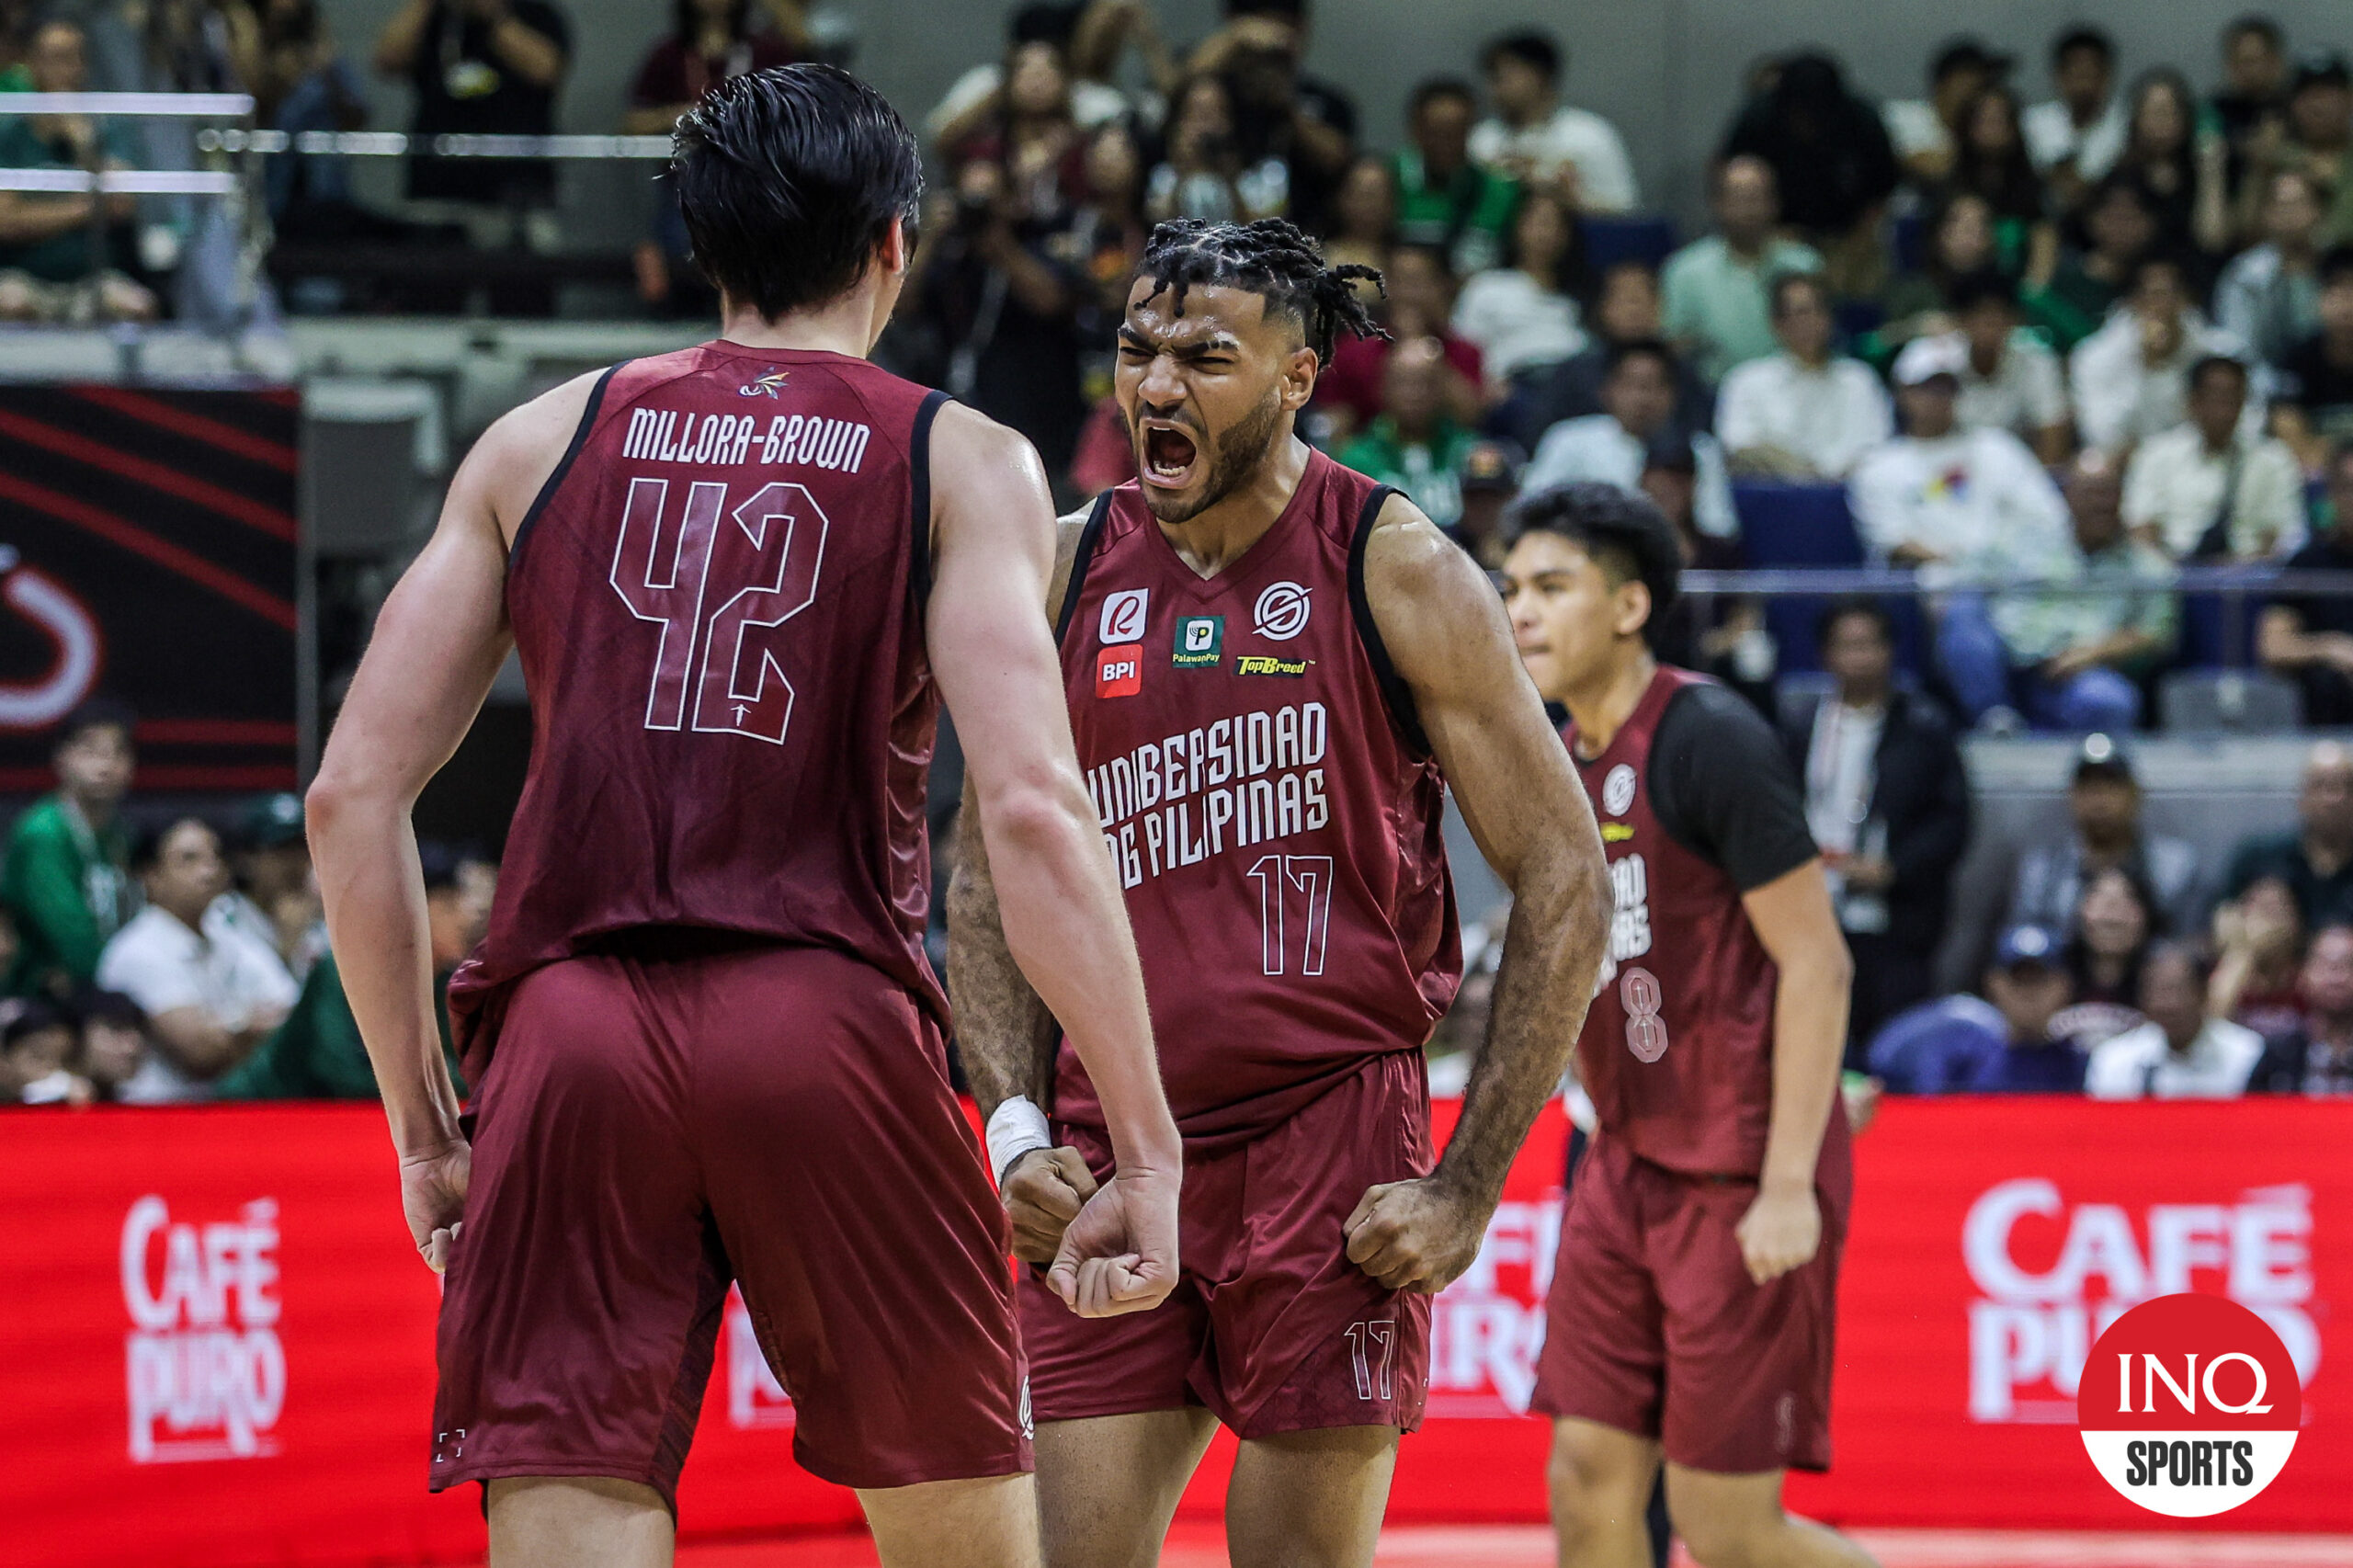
(708, 591)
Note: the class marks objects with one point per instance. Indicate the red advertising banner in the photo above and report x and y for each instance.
(218, 1349)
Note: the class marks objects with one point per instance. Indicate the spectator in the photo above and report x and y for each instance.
(1308, 126)
(1888, 800)
(2178, 1053)
(2114, 921)
(1538, 141)
(1626, 310)
(2009, 379)
(1716, 290)
(2269, 298)
(272, 900)
(1803, 413)
(37, 1049)
(114, 1041)
(2250, 107)
(2009, 1048)
(210, 997)
(2259, 948)
(65, 877)
(1993, 165)
(2076, 137)
(2180, 170)
(482, 68)
(977, 97)
(997, 305)
(1609, 448)
(1202, 173)
(1444, 200)
(303, 83)
(2318, 139)
(53, 267)
(1420, 304)
(2100, 622)
(2318, 375)
(2309, 637)
(1413, 444)
(1961, 246)
(2208, 487)
(2315, 1057)
(1967, 501)
(2103, 808)
(1523, 315)
(2315, 857)
(1364, 214)
(1832, 164)
(2131, 377)
(1926, 132)
(1490, 481)
(1722, 635)
(1105, 236)
(2118, 230)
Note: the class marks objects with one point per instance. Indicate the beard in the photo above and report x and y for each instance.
(1237, 455)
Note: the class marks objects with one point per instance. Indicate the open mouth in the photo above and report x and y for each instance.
(1169, 455)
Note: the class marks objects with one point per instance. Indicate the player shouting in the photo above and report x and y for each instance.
(1275, 669)
(706, 1042)
(1693, 1301)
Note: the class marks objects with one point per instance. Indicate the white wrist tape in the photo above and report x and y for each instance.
(1017, 1128)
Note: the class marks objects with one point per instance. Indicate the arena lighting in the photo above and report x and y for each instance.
(394, 144)
(121, 182)
(182, 106)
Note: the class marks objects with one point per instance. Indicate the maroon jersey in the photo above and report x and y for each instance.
(1268, 800)
(1677, 1047)
(717, 601)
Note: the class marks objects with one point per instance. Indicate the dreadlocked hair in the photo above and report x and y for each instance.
(1270, 258)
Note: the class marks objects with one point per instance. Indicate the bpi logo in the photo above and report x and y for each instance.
(205, 1371)
(2189, 1405)
(1280, 613)
(1118, 672)
(1124, 615)
(2032, 1329)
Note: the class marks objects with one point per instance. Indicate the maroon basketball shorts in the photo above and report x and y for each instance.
(649, 1130)
(1655, 1328)
(1271, 1326)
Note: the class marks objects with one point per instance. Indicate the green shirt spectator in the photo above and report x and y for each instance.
(64, 875)
(1428, 469)
(317, 1054)
(1445, 201)
(1717, 292)
(48, 236)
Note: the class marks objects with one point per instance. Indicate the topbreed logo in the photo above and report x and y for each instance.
(205, 1372)
(2189, 1405)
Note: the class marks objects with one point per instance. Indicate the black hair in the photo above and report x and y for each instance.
(1837, 610)
(1527, 46)
(98, 713)
(31, 1017)
(1571, 275)
(1428, 92)
(789, 180)
(2336, 263)
(439, 862)
(1268, 257)
(2194, 954)
(2258, 24)
(685, 24)
(1972, 289)
(2206, 364)
(1627, 536)
(1638, 347)
(1052, 24)
(1286, 10)
(147, 848)
(2083, 35)
(91, 1005)
(1785, 282)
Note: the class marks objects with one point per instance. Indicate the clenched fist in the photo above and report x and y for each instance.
(1415, 1235)
(1043, 1191)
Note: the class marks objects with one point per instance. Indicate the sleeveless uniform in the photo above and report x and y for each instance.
(1655, 1326)
(705, 1044)
(1276, 820)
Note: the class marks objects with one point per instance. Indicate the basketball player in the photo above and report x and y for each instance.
(705, 1041)
(1692, 1302)
(1276, 667)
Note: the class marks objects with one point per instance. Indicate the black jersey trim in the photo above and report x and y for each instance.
(1393, 690)
(1087, 539)
(563, 464)
(919, 493)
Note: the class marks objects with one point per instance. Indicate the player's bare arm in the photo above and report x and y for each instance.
(1062, 918)
(1005, 1034)
(1450, 643)
(1782, 1230)
(437, 643)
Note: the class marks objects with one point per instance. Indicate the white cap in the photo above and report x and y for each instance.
(1924, 358)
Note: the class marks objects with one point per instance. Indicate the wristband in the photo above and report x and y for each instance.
(1015, 1128)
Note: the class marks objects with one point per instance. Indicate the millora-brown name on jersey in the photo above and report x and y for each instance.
(669, 435)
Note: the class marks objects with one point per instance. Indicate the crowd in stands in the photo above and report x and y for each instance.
(186, 960)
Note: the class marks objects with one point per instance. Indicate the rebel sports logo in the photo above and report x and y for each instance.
(762, 386)
(2189, 1405)
(1260, 665)
(1200, 642)
(1617, 790)
(1118, 672)
(1280, 613)
(1124, 615)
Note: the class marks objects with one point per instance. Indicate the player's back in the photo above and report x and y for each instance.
(717, 599)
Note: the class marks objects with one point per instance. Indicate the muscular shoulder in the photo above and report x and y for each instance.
(1069, 530)
(1421, 588)
(510, 464)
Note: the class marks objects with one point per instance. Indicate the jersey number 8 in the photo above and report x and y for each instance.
(1645, 1030)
